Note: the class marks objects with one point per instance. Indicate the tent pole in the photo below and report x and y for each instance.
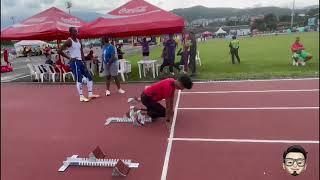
(58, 46)
(132, 41)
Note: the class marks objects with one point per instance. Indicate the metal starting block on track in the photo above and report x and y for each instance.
(121, 167)
(76, 161)
(135, 117)
(125, 120)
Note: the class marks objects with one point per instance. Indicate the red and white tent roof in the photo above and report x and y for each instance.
(51, 24)
(135, 18)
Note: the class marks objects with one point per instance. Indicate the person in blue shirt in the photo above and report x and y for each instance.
(110, 65)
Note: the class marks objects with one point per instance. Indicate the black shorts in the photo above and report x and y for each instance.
(154, 109)
(145, 54)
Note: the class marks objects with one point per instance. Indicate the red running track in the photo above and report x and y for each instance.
(43, 124)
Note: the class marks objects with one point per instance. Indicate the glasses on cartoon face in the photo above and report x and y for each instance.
(289, 162)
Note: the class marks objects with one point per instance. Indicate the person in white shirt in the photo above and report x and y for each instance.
(77, 65)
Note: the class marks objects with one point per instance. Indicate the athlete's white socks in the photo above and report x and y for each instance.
(79, 88)
(90, 86)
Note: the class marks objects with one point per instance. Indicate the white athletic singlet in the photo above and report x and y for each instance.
(75, 50)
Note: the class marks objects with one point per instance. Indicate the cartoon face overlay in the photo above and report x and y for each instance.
(294, 161)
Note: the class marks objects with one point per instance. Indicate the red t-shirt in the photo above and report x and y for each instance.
(161, 90)
(295, 46)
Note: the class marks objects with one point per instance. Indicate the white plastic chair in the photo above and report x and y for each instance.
(60, 72)
(124, 68)
(41, 71)
(52, 72)
(158, 68)
(33, 72)
(198, 60)
(65, 73)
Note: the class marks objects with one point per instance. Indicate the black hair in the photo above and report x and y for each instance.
(105, 39)
(70, 29)
(186, 81)
(295, 148)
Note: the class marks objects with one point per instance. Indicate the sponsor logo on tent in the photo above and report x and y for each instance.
(139, 9)
(27, 25)
(70, 20)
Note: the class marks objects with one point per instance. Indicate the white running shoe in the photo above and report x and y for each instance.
(303, 63)
(132, 101)
(84, 99)
(108, 93)
(121, 91)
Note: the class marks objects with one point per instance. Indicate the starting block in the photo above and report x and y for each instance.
(121, 169)
(135, 116)
(76, 161)
(121, 166)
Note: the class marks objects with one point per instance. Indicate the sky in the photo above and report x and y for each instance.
(27, 8)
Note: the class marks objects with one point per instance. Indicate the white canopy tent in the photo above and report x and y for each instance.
(33, 43)
(30, 43)
(221, 31)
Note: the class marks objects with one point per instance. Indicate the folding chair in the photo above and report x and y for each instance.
(52, 72)
(65, 73)
(33, 72)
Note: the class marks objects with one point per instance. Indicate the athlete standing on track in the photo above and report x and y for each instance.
(78, 68)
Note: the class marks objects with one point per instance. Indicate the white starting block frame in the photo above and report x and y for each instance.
(124, 120)
(88, 162)
(133, 115)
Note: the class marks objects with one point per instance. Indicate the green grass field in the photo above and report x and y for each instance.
(261, 57)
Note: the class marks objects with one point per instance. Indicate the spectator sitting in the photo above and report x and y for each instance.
(89, 57)
(48, 59)
(300, 57)
(60, 63)
(93, 58)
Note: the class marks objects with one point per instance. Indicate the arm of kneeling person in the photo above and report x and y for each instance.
(169, 109)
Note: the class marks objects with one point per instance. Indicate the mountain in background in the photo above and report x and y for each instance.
(311, 7)
(201, 12)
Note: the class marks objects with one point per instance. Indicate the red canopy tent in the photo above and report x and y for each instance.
(207, 33)
(136, 18)
(51, 24)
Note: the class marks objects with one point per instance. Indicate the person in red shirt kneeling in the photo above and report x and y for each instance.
(297, 45)
(164, 89)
